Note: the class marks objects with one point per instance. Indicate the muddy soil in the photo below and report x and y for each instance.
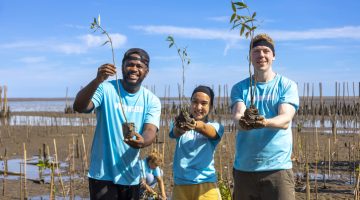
(70, 150)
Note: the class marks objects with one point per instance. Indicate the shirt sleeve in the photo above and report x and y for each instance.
(219, 131)
(236, 94)
(290, 94)
(157, 172)
(154, 112)
(98, 96)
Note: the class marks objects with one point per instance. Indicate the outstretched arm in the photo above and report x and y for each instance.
(283, 119)
(144, 140)
(205, 129)
(238, 110)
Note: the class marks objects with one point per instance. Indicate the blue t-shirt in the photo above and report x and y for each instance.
(145, 169)
(265, 149)
(194, 156)
(111, 158)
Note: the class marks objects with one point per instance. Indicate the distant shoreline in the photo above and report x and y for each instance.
(40, 99)
(316, 98)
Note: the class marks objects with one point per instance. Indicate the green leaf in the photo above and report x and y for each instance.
(233, 17)
(170, 38)
(233, 7)
(247, 34)
(171, 44)
(242, 30)
(246, 26)
(253, 15)
(42, 165)
(95, 21)
(241, 5)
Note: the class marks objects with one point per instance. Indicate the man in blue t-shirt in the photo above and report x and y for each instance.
(128, 117)
(262, 166)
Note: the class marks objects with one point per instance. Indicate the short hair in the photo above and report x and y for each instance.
(263, 38)
(155, 158)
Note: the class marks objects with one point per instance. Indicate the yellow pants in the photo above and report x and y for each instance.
(203, 191)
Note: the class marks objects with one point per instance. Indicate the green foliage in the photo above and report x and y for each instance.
(224, 188)
(47, 164)
(185, 59)
(299, 127)
(96, 25)
(244, 22)
(182, 52)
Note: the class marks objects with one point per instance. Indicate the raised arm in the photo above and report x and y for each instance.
(83, 101)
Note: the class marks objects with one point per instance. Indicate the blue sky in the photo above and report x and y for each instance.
(47, 46)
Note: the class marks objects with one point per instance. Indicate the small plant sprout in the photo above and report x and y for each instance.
(246, 25)
(185, 61)
(96, 25)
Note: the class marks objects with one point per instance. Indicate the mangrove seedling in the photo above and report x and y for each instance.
(128, 127)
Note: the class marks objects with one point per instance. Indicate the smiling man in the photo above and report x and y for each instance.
(113, 172)
(262, 166)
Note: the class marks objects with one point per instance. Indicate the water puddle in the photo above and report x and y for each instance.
(33, 172)
(20, 120)
(343, 178)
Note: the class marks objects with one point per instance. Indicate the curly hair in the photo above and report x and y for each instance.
(155, 158)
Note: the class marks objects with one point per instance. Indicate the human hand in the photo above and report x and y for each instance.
(104, 71)
(185, 121)
(260, 122)
(136, 143)
(257, 122)
(244, 124)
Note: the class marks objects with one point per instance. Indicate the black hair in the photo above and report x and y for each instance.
(144, 56)
(207, 90)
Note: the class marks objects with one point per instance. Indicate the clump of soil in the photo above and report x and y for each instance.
(184, 118)
(128, 130)
(251, 115)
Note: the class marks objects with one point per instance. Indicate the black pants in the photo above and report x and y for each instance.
(107, 190)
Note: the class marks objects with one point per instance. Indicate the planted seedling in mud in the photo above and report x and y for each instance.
(48, 164)
(246, 25)
(183, 118)
(128, 128)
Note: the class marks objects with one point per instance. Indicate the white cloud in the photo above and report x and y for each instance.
(33, 59)
(347, 32)
(70, 48)
(80, 45)
(118, 40)
(76, 26)
(194, 33)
